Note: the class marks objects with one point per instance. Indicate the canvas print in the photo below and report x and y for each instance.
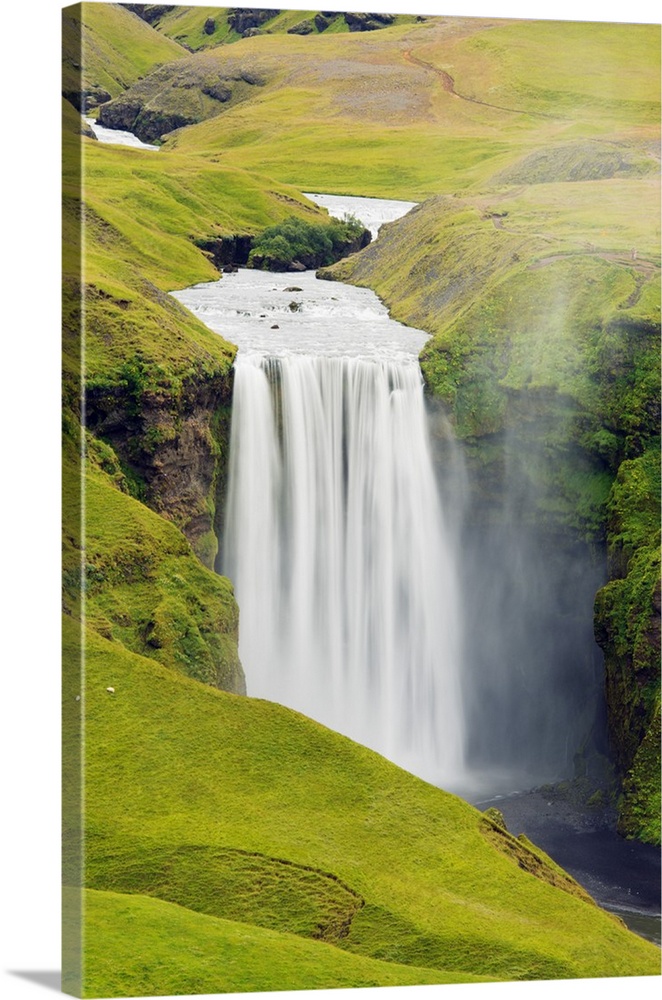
(361, 329)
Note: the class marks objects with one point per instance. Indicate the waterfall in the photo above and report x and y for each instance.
(343, 569)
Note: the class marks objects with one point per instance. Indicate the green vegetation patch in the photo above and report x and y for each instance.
(182, 952)
(640, 806)
(143, 586)
(310, 244)
(105, 49)
(177, 771)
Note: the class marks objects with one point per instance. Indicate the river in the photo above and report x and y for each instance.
(117, 137)
(344, 558)
(335, 539)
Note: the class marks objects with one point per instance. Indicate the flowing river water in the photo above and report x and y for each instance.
(335, 536)
(344, 556)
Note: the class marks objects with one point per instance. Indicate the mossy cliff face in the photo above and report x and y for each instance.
(545, 354)
(166, 437)
(627, 627)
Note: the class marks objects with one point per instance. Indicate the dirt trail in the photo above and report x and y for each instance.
(646, 267)
(448, 84)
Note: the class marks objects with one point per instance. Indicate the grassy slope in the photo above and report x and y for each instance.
(118, 48)
(143, 211)
(222, 956)
(368, 113)
(144, 586)
(182, 781)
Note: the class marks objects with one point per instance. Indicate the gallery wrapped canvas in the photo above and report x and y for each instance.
(361, 318)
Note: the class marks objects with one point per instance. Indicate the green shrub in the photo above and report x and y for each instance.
(307, 243)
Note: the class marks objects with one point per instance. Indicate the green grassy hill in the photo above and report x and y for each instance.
(222, 956)
(199, 28)
(245, 811)
(403, 113)
(158, 380)
(117, 49)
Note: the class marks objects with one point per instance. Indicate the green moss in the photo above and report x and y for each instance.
(634, 506)
(627, 627)
(640, 807)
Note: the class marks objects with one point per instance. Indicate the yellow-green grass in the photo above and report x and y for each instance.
(160, 203)
(142, 213)
(186, 25)
(370, 114)
(117, 48)
(182, 952)
(444, 258)
(139, 580)
(175, 770)
(604, 73)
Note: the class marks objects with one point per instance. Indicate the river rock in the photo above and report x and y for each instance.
(296, 265)
(293, 288)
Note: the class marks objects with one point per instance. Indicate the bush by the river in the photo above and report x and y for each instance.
(296, 243)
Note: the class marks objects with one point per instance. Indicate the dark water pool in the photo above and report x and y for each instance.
(622, 876)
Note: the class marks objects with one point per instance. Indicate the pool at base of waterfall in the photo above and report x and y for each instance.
(622, 876)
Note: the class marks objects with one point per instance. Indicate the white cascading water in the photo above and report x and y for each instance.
(334, 533)
(335, 542)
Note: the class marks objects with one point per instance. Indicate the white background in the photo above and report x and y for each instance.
(29, 458)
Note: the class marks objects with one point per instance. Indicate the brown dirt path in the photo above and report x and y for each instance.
(448, 84)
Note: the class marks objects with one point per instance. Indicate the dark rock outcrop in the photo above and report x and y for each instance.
(150, 12)
(220, 91)
(86, 100)
(176, 95)
(368, 22)
(302, 28)
(210, 26)
(322, 22)
(169, 445)
(227, 250)
(243, 19)
(148, 125)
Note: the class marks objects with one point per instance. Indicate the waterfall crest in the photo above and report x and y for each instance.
(336, 543)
